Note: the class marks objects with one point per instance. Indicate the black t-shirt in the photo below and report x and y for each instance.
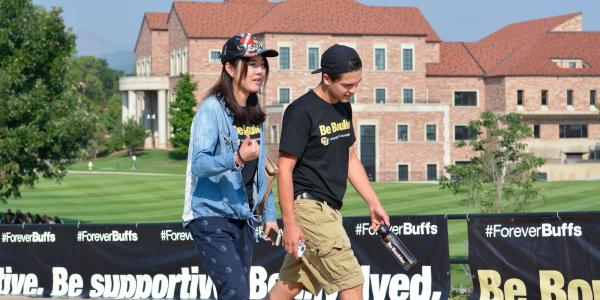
(319, 135)
(244, 129)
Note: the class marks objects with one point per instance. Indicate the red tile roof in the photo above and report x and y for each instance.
(455, 60)
(222, 20)
(344, 17)
(535, 59)
(217, 19)
(500, 45)
(521, 49)
(157, 21)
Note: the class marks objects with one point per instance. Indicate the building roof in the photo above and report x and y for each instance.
(219, 19)
(344, 17)
(536, 58)
(455, 60)
(157, 21)
(223, 19)
(498, 47)
(522, 49)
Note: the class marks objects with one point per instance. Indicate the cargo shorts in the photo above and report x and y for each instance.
(328, 262)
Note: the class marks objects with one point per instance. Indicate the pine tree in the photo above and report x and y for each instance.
(182, 114)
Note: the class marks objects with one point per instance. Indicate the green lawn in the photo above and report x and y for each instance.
(150, 161)
(115, 198)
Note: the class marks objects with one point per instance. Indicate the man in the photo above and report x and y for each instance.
(317, 156)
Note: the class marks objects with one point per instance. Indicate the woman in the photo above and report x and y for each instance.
(226, 168)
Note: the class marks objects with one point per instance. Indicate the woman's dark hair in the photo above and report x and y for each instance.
(224, 89)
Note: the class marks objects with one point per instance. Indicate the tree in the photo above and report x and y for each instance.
(503, 174)
(98, 92)
(42, 126)
(182, 114)
(134, 135)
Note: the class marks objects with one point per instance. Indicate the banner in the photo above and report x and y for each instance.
(535, 257)
(161, 261)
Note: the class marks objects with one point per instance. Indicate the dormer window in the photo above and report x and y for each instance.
(570, 63)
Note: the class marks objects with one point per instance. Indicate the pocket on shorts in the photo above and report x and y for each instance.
(337, 260)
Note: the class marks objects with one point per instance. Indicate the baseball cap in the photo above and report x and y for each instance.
(336, 59)
(244, 45)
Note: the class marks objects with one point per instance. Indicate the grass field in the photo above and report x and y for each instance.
(143, 197)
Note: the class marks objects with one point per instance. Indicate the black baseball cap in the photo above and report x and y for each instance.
(244, 45)
(336, 60)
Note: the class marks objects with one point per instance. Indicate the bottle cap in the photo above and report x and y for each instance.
(383, 229)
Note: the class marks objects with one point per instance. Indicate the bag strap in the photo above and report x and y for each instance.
(272, 170)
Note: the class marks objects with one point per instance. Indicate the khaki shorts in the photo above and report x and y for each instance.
(328, 262)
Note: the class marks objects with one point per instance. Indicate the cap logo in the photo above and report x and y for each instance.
(248, 45)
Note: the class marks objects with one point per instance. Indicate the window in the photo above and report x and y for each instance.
(284, 58)
(570, 131)
(215, 57)
(379, 59)
(593, 97)
(465, 98)
(178, 63)
(462, 133)
(431, 172)
(380, 96)
(536, 131)
(408, 95)
(570, 97)
(368, 150)
(402, 172)
(407, 59)
(284, 95)
(431, 132)
(402, 133)
(274, 134)
(572, 64)
(172, 63)
(313, 58)
(544, 97)
(520, 97)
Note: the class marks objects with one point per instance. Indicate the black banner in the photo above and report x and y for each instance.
(535, 257)
(160, 261)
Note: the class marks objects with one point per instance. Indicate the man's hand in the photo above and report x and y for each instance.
(292, 233)
(378, 216)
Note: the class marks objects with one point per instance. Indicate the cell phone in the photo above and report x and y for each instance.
(275, 236)
(301, 248)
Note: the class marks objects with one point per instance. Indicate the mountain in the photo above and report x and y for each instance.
(122, 60)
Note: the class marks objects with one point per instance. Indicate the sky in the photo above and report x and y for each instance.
(109, 26)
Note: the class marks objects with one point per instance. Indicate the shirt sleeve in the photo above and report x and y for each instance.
(295, 131)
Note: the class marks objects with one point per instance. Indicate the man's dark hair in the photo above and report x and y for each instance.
(353, 65)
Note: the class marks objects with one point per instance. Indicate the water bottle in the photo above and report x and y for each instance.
(396, 247)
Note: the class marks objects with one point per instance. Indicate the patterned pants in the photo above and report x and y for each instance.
(225, 246)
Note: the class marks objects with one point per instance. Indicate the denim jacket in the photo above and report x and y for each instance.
(214, 185)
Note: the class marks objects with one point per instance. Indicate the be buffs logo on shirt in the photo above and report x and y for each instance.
(332, 128)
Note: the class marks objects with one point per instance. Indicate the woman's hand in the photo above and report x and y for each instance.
(249, 150)
(268, 227)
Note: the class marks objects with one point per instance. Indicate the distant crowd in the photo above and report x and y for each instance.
(19, 217)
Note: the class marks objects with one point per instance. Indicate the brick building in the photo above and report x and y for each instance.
(418, 92)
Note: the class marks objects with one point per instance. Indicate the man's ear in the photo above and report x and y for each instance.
(230, 69)
(326, 79)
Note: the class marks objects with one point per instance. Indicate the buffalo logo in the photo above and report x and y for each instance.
(325, 141)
